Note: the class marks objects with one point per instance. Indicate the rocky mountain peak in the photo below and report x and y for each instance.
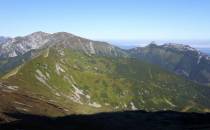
(179, 58)
(20, 45)
(187, 49)
(180, 47)
(152, 44)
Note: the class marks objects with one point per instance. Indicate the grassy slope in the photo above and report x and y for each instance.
(106, 84)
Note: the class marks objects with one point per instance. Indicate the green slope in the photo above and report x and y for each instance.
(81, 83)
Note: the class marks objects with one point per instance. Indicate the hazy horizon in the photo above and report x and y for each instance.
(141, 43)
(127, 44)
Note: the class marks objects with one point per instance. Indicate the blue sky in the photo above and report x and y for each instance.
(109, 19)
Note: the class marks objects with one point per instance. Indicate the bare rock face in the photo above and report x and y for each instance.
(20, 45)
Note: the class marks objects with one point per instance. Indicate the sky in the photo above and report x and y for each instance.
(111, 20)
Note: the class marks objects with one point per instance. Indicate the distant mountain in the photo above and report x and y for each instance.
(181, 59)
(3, 39)
(205, 50)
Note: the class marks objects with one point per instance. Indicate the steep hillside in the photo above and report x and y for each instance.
(76, 82)
(181, 59)
(10, 63)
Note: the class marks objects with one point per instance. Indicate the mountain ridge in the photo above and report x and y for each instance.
(18, 50)
(103, 83)
(20, 45)
(180, 59)
(170, 56)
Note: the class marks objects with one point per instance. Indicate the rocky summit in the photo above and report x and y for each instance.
(20, 45)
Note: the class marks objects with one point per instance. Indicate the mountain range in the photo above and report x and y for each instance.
(61, 73)
(180, 59)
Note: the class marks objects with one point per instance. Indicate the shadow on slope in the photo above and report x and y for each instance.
(128, 120)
